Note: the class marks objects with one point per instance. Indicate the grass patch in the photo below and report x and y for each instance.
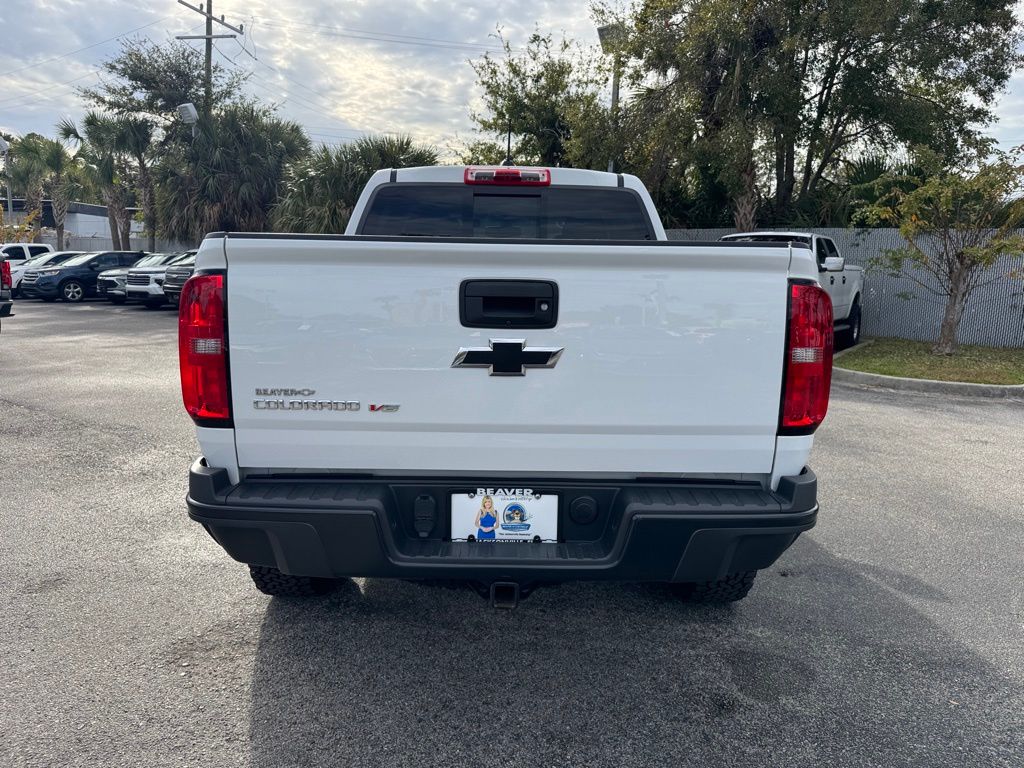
(914, 360)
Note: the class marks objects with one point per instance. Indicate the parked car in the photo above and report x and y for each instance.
(843, 282)
(5, 289)
(177, 275)
(50, 258)
(145, 283)
(19, 252)
(111, 284)
(75, 279)
(509, 376)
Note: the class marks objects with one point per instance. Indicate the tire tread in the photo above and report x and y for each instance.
(270, 581)
(733, 587)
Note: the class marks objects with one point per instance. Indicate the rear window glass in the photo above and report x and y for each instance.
(552, 213)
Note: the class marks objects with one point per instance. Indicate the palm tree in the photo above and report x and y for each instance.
(322, 190)
(26, 175)
(228, 177)
(101, 163)
(59, 177)
(134, 136)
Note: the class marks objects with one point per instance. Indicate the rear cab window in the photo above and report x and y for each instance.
(549, 213)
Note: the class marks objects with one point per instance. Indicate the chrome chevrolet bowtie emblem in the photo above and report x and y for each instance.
(507, 357)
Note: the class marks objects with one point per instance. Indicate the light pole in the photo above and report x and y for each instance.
(5, 149)
(189, 116)
(612, 36)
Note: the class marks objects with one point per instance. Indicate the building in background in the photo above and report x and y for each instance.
(83, 220)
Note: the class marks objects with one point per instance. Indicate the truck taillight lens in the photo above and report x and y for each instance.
(5, 274)
(807, 373)
(202, 351)
(503, 175)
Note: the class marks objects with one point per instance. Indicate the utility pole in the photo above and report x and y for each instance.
(207, 13)
(615, 107)
(612, 37)
(208, 93)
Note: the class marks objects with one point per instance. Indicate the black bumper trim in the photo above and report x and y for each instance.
(645, 531)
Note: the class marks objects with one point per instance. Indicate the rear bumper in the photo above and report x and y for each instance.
(668, 532)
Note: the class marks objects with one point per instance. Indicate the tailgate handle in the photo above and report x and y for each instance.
(508, 303)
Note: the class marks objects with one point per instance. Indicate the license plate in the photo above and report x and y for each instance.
(504, 514)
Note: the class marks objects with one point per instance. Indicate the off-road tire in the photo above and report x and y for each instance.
(733, 587)
(271, 581)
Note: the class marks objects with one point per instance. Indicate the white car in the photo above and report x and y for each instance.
(145, 281)
(51, 258)
(507, 376)
(843, 282)
(17, 253)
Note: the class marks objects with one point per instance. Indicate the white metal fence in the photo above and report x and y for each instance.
(896, 306)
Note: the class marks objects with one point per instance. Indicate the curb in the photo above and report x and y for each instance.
(961, 388)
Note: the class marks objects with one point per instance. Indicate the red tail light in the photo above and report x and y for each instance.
(808, 368)
(508, 176)
(5, 274)
(202, 351)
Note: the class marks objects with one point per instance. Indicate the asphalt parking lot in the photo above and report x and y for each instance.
(891, 635)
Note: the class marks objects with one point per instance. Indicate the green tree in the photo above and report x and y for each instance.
(782, 91)
(59, 177)
(958, 223)
(148, 79)
(134, 138)
(321, 190)
(27, 174)
(102, 167)
(543, 95)
(229, 177)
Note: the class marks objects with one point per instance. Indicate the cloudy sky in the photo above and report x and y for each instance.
(340, 68)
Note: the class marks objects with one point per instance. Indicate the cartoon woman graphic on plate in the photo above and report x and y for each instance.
(486, 520)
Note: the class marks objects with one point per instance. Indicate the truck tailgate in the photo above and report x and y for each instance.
(672, 358)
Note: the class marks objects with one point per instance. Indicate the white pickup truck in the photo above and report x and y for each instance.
(843, 282)
(506, 376)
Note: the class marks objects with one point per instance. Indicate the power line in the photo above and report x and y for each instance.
(207, 13)
(380, 38)
(386, 37)
(86, 48)
(34, 96)
(300, 101)
(27, 99)
(262, 63)
(314, 108)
